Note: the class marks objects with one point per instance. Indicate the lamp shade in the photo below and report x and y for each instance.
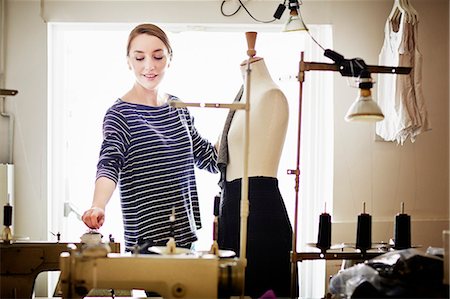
(364, 108)
(295, 22)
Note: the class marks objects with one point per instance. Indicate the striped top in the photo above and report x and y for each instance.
(151, 152)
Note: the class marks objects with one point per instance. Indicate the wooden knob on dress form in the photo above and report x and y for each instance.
(251, 41)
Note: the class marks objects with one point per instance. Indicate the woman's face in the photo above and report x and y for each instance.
(148, 59)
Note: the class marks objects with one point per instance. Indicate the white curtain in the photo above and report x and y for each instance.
(316, 163)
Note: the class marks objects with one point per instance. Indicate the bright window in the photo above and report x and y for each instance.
(88, 72)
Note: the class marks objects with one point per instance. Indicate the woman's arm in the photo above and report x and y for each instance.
(95, 216)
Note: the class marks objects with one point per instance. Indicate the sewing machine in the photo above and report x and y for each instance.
(172, 275)
(22, 261)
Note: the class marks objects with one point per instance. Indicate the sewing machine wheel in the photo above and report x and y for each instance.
(91, 237)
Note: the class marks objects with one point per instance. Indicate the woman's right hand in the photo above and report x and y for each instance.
(94, 217)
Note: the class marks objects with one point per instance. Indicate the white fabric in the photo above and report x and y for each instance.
(400, 96)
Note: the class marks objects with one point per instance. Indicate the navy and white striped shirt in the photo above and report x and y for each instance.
(151, 152)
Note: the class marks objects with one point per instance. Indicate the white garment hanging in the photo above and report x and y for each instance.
(400, 96)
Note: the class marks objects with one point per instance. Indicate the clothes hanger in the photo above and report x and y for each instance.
(397, 11)
(414, 15)
(408, 13)
(403, 7)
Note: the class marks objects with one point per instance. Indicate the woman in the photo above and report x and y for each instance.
(150, 149)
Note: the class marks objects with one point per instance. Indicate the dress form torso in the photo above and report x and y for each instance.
(269, 113)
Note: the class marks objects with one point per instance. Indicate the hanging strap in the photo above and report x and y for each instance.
(222, 160)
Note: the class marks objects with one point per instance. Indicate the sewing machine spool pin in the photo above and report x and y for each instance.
(7, 222)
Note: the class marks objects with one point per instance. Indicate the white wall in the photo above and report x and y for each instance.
(382, 174)
(26, 71)
(385, 174)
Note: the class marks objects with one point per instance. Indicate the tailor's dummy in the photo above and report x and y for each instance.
(269, 233)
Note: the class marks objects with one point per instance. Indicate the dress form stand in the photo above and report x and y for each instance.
(251, 52)
(269, 232)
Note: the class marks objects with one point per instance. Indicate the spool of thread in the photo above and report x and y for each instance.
(7, 215)
(402, 230)
(217, 204)
(364, 231)
(216, 216)
(324, 237)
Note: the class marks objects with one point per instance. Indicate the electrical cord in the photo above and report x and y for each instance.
(226, 15)
(276, 16)
(245, 8)
(315, 41)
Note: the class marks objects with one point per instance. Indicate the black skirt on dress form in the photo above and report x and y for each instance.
(269, 235)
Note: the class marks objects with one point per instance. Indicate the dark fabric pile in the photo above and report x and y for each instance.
(398, 274)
